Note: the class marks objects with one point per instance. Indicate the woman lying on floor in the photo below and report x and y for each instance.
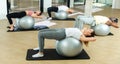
(85, 35)
(95, 20)
(34, 14)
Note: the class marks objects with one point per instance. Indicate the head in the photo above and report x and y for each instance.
(113, 19)
(38, 13)
(89, 32)
(113, 22)
(70, 10)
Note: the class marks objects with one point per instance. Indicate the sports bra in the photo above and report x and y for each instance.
(30, 13)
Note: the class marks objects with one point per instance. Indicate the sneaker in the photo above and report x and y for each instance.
(36, 48)
(37, 55)
(49, 18)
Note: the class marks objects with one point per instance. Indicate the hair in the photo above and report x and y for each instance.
(39, 13)
(86, 43)
(92, 34)
(113, 19)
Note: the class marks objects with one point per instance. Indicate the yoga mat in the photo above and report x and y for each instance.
(72, 19)
(51, 54)
(110, 34)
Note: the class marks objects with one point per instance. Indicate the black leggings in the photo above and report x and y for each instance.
(51, 9)
(15, 15)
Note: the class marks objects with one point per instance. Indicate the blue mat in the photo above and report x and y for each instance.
(35, 28)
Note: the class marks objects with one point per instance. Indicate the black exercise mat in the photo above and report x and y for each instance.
(73, 19)
(51, 54)
(109, 34)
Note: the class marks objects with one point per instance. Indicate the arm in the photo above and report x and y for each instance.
(110, 23)
(83, 38)
(115, 25)
(70, 10)
(36, 16)
(86, 40)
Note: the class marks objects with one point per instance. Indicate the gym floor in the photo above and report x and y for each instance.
(14, 45)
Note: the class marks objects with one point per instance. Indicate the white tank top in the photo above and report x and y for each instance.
(101, 19)
(73, 32)
(62, 7)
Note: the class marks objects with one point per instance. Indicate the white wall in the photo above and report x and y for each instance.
(71, 3)
(105, 1)
(88, 7)
(109, 2)
(47, 3)
(3, 9)
(12, 3)
(116, 4)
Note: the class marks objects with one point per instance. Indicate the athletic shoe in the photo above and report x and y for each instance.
(37, 55)
(49, 18)
(36, 48)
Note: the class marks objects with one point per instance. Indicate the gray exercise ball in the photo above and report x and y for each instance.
(17, 22)
(61, 15)
(102, 29)
(26, 22)
(68, 47)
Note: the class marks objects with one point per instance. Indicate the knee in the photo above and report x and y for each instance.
(8, 15)
(40, 33)
(78, 18)
(49, 9)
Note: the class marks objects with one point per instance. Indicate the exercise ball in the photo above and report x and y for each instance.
(26, 22)
(68, 47)
(17, 22)
(102, 29)
(16, 25)
(61, 15)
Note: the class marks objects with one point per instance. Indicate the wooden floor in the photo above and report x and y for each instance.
(14, 45)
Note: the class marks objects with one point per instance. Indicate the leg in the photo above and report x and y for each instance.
(57, 34)
(14, 15)
(51, 9)
(10, 21)
(81, 20)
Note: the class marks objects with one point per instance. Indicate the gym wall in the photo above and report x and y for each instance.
(3, 9)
